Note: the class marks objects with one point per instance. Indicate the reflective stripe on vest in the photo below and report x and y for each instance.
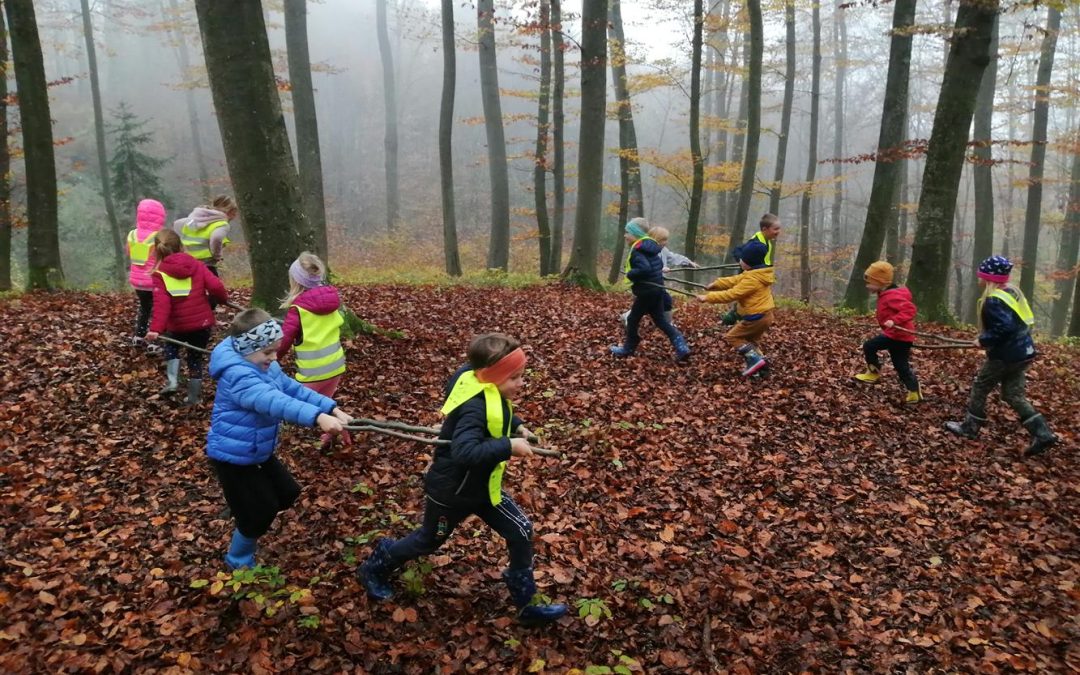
(319, 356)
(1016, 304)
(197, 240)
(626, 266)
(178, 288)
(768, 245)
(464, 389)
(139, 251)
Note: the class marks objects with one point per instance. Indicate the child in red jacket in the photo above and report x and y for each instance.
(182, 291)
(896, 316)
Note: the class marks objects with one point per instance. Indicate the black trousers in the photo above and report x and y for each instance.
(197, 338)
(899, 354)
(650, 304)
(256, 493)
(146, 307)
(439, 521)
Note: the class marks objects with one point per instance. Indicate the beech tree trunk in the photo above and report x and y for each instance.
(838, 227)
(390, 139)
(698, 184)
(42, 240)
(887, 168)
(738, 142)
(308, 155)
(1069, 249)
(982, 245)
(499, 244)
(1033, 213)
(256, 143)
(558, 167)
(811, 168)
(753, 121)
(543, 224)
(446, 152)
(5, 165)
(582, 266)
(785, 112)
(931, 255)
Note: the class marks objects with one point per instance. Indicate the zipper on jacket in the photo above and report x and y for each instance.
(463, 481)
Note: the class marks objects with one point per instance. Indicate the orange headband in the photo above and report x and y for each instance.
(501, 370)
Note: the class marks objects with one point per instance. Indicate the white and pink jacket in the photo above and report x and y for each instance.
(150, 217)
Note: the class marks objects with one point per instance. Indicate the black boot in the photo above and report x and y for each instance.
(522, 588)
(969, 428)
(1041, 436)
(373, 574)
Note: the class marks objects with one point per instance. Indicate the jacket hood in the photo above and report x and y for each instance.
(767, 275)
(225, 356)
(648, 247)
(319, 300)
(900, 292)
(149, 217)
(180, 265)
(202, 215)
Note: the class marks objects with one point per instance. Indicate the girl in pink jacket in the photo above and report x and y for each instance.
(149, 219)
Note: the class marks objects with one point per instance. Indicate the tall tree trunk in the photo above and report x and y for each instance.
(390, 139)
(184, 58)
(257, 152)
(785, 112)
(99, 137)
(590, 193)
(982, 245)
(837, 226)
(5, 165)
(903, 217)
(1033, 214)
(723, 198)
(738, 143)
(1069, 249)
(631, 199)
(558, 122)
(932, 253)
(753, 121)
(543, 225)
(499, 246)
(308, 155)
(811, 167)
(446, 153)
(43, 240)
(1074, 323)
(887, 170)
(698, 184)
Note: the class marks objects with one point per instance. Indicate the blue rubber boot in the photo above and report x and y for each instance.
(522, 588)
(621, 350)
(754, 360)
(373, 574)
(682, 350)
(241, 551)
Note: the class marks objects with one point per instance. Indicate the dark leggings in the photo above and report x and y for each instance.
(899, 352)
(256, 493)
(146, 306)
(439, 521)
(1013, 380)
(198, 338)
(651, 304)
(213, 270)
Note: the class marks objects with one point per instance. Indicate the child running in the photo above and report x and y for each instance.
(1004, 322)
(149, 219)
(312, 326)
(205, 231)
(253, 397)
(896, 316)
(670, 259)
(183, 288)
(465, 478)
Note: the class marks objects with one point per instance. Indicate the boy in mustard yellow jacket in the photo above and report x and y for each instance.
(752, 290)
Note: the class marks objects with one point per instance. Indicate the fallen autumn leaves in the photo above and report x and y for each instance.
(814, 524)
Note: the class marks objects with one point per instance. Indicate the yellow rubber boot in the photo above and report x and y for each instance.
(914, 396)
(872, 375)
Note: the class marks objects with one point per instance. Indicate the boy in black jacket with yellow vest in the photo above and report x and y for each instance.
(465, 478)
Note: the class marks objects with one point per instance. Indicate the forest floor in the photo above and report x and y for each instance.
(700, 522)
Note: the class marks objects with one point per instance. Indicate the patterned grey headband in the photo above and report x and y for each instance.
(257, 338)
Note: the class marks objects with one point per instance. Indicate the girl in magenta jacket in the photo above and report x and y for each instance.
(183, 288)
(149, 219)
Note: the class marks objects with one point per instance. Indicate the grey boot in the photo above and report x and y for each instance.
(194, 391)
(1041, 436)
(172, 376)
(969, 428)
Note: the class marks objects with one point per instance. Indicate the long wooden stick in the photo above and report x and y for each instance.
(401, 426)
(703, 269)
(178, 343)
(946, 346)
(673, 290)
(684, 281)
(933, 336)
(544, 452)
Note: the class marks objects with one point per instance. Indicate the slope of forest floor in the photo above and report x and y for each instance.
(700, 522)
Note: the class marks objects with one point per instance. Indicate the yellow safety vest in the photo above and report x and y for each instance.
(139, 251)
(626, 265)
(1017, 303)
(768, 244)
(197, 240)
(464, 389)
(319, 356)
(178, 288)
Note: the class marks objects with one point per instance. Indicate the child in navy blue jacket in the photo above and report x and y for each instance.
(465, 478)
(645, 270)
(253, 397)
(1004, 321)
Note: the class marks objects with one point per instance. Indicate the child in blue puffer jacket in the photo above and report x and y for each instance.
(253, 396)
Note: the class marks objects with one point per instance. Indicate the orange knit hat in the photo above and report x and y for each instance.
(880, 273)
